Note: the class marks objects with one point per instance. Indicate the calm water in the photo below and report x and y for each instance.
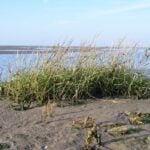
(8, 61)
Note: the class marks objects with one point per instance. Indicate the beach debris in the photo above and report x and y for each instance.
(113, 125)
(48, 111)
(87, 122)
(91, 136)
(123, 126)
(138, 118)
(92, 131)
(123, 130)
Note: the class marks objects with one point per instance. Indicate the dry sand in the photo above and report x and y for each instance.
(24, 130)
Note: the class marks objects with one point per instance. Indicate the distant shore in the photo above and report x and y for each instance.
(23, 51)
(44, 49)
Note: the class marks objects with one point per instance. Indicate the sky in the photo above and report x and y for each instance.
(44, 22)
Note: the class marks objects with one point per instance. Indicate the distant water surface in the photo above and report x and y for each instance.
(9, 57)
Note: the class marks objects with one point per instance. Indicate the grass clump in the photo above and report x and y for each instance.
(64, 75)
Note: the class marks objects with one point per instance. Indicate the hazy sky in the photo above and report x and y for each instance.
(43, 22)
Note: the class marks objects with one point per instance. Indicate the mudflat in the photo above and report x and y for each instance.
(25, 130)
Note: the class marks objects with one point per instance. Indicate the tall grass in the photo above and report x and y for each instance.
(65, 75)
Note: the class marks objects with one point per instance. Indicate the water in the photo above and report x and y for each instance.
(10, 61)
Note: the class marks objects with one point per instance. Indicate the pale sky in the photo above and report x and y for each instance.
(43, 22)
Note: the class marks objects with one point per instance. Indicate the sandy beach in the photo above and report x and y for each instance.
(24, 130)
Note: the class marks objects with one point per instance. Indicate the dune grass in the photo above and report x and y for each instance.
(68, 76)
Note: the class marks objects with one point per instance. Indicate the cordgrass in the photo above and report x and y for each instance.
(90, 73)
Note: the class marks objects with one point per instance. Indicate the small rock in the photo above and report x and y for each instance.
(44, 147)
(121, 117)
